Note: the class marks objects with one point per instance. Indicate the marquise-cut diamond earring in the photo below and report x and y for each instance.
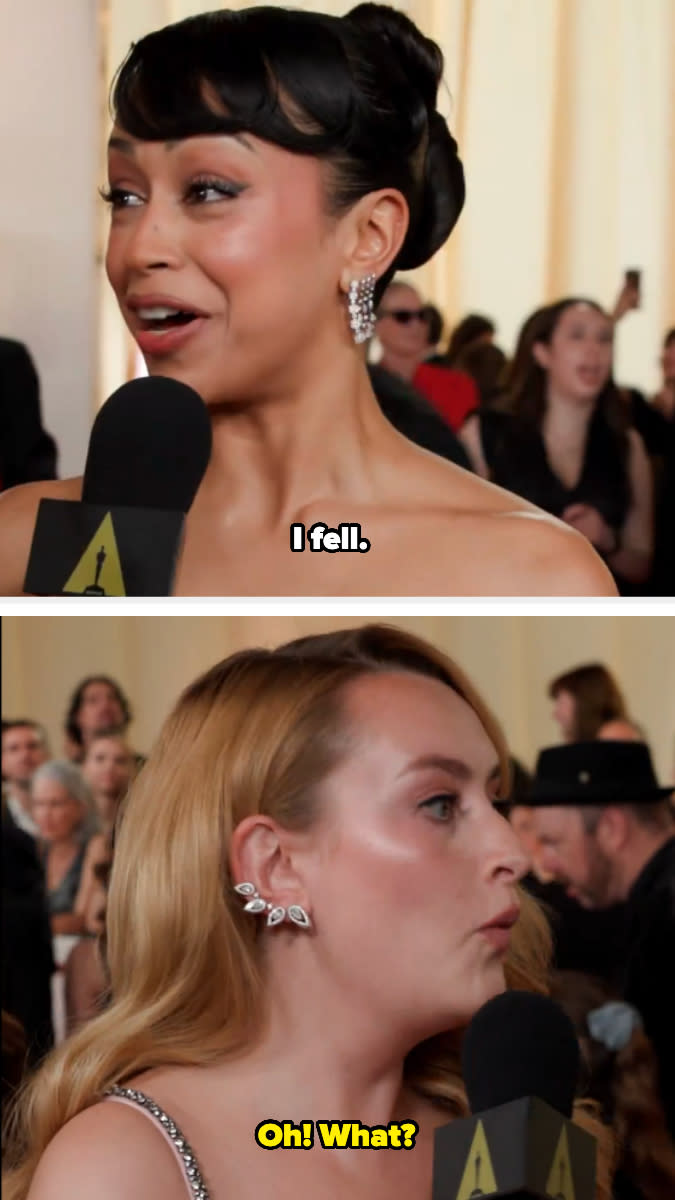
(275, 913)
(361, 308)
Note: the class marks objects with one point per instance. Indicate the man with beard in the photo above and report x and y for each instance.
(607, 832)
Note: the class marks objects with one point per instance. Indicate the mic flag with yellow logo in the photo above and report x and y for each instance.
(520, 1067)
(524, 1150)
(92, 550)
(149, 448)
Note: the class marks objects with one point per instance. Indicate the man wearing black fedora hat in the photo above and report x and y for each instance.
(607, 831)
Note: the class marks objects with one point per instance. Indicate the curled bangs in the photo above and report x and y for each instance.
(282, 76)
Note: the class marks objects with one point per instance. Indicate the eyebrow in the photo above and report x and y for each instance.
(128, 147)
(454, 766)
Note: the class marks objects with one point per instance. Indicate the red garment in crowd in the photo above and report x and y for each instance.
(453, 393)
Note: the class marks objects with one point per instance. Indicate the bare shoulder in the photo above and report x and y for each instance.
(18, 511)
(108, 1150)
(548, 558)
(515, 548)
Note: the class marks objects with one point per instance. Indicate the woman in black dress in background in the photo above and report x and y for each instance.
(563, 439)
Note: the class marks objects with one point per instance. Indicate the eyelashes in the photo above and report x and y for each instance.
(116, 197)
(444, 806)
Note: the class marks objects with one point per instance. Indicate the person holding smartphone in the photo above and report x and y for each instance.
(269, 172)
(565, 442)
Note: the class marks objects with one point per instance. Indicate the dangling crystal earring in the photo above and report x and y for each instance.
(275, 913)
(361, 308)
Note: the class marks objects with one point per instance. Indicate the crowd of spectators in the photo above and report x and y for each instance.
(550, 423)
(604, 875)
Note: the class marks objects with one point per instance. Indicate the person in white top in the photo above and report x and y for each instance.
(313, 891)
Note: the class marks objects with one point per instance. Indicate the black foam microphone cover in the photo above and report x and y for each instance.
(149, 448)
(520, 1044)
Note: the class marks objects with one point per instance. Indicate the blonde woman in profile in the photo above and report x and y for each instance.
(269, 173)
(328, 894)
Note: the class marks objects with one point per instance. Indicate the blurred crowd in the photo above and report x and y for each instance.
(58, 815)
(549, 423)
(597, 827)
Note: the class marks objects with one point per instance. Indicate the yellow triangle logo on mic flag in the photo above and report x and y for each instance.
(99, 571)
(478, 1178)
(560, 1183)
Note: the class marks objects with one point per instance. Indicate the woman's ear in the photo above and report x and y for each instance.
(541, 354)
(261, 853)
(374, 231)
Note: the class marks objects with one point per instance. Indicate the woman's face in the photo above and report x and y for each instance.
(56, 813)
(108, 768)
(410, 858)
(564, 711)
(234, 229)
(579, 357)
(409, 338)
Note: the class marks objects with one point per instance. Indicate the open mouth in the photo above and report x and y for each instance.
(169, 321)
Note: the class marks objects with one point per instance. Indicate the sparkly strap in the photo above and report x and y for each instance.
(193, 1175)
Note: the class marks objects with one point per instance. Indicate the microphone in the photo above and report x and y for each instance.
(520, 1063)
(149, 448)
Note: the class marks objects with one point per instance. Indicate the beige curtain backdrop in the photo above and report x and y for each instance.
(564, 111)
(510, 658)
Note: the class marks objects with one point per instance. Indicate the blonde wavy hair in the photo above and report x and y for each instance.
(255, 734)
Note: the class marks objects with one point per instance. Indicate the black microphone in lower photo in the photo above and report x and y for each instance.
(520, 1064)
(150, 446)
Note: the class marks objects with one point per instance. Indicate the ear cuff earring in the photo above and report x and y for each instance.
(361, 308)
(275, 913)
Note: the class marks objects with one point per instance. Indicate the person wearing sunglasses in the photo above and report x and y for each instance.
(403, 331)
(253, 233)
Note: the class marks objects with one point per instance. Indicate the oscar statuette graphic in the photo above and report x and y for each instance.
(94, 589)
(477, 1189)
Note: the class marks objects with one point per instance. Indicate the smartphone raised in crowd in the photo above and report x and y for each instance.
(634, 280)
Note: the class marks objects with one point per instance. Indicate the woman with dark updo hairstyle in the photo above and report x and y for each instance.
(269, 172)
(565, 441)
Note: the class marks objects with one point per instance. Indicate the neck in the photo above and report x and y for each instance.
(106, 807)
(404, 365)
(325, 1047)
(566, 419)
(319, 437)
(67, 842)
(640, 849)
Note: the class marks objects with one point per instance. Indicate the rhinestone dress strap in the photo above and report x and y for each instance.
(196, 1185)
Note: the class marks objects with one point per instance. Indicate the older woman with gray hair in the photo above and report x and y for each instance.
(61, 806)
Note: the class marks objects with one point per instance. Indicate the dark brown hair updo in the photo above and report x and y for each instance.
(357, 91)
